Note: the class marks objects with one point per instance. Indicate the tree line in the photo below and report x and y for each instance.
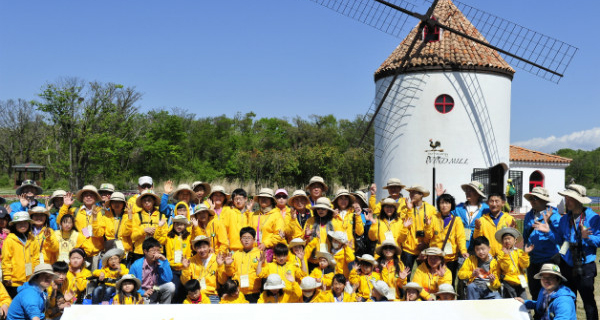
(91, 132)
(585, 167)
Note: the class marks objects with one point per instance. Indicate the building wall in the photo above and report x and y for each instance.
(475, 134)
(554, 179)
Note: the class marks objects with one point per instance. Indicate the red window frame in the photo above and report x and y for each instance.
(446, 105)
(536, 183)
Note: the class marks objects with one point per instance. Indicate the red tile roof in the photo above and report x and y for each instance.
(451, 52)
(526, 155)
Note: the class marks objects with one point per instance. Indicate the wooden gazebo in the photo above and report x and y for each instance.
(29, 171)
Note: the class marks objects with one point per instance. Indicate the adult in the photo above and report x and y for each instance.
(316, 189)
(154, 271)
(30, 302)
(299, 215)
(472, 209)
(281, 199)
(394, 187)
(54, 204)
(144, 183)
(416, 235)
(105, 191)
(115, 225)
(217, 199)
(26, 194)
(267, 222)
(344, 211)
(492, 221)
(183, 193)
(145, 222)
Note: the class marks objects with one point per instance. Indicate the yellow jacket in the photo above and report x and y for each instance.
(78, 282)
(140, 221)
(216, 232)
(212, 273)
(111, 274)
(234, 221)
(291, 293)
(204, 299)
(46, 256)
(380, 227)
(61, 244)
(326, 279)
(321, 241)
(107, 226)
(510, 270)
(456, 239)
(470, 264)
(351, 223)
(388, 274)
(430, 281)
(5, 299)
(128, 300)
(83, 221)
(293, 229)
(18, 258)
(365, 284)
(245, 263)
(228, 300)
(408, 237)
(133, 203)
(345, 297)
(320, 296)
(342, 258)
(288, 268)
(488, 229)
(174, 244)
(376, 206)
(267, 231)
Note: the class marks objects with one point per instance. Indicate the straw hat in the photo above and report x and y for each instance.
(219, 189)
(338, 235)
(184, 187)
(29, 183)
(38, 209)
(19, 217)
(359, 195)
(381, 287)
(296, 242)
(43, 268)
(90, 188)
(549, 268)
(433, 251)
(202, 207)
(512, 231)
(446, 288)
(145, 180)
(111, 253)
(389, 202)
(274, 282)
(309, 283)
(418, 188)
(388, 243)
(394, 182)
(265, 193)
(297, 194)
(317, 179)
(475, 185)
(326, 255)
(323, 203)
(108, 187)
(576, 192)
(344, 192)
(57, 194)
(147, 192)
(129, 277)
(413, 285)
(181, 219)
(367, 258)
(200, 238)
(117, 197)
(538, 192)
(205, 185)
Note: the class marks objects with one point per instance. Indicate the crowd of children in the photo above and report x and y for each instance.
(199, 244)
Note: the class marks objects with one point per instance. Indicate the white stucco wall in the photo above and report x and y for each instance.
(475, 134)
(554, 179)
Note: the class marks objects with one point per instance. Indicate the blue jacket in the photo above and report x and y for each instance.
(562, 304)
(52, 220)
(565, 232)
(168, 209)
(164, 272)
(30, 302)
(461, 212)
(16, 207)
(544, 247)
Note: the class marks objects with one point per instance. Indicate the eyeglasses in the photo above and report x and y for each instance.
(146, 186)
(247, 238)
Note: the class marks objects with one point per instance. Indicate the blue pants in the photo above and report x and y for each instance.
(103, 293)
(477, 291)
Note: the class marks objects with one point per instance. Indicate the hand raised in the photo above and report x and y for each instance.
(168, 187)
(68, 199)
(373, 189)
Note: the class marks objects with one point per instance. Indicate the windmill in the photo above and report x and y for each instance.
(449, 79)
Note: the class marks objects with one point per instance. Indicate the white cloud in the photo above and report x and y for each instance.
(585, 140)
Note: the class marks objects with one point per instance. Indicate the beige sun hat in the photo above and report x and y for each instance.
(326, 255)
(394, 182)
(540, 193)
(445, 288)
(274, 282)
(413, 285)
(309, 283)
(111, 253)
(475, 185)
(296, 242)
(344, 192)
(381, 287)
(108, 187)
(512, 231)
(419, 188)
(202, 207)
(184, 187)
(323, 203)
(205, 185)
(387, 243)
(200, 238)
(147, 192)
(57, 194)
(20, 217)
(297, 194)
(317, 179)
(359, 195)
(389, 202)
(433, 251)
(577, 192)
(367, 258)
(117, 197)
(129, 277)
(38, 209)
(265, 193)
(29, 183)
(549, 268)
(43, 268)
(181, 219)
(219, 189)
(338, 235)
(90, 188)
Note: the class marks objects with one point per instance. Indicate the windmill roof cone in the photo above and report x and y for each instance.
(451, 53)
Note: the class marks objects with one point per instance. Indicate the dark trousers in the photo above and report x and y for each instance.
(452, 266)
(180, 293)
(252, 298)
(534, 284)
(103, 293)
(408, 260)
(584, 285)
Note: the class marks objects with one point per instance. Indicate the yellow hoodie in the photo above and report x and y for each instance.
(267, 226)
(510, 270)
(108, 226)
(234, 221)
(18, 259)
(409, 241)
(239, 299)
(244, 264)
(216, 232)
(211, 272)
(291, 293)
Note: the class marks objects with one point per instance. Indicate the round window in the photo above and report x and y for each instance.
(444, 103)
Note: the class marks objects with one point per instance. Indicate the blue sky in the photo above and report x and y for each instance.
(274, 57)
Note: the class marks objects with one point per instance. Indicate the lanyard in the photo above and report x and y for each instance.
(205, 267)
(472, 215)
(513, 261)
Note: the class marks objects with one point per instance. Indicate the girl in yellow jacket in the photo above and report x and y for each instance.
(144, 222)
(363, 276)
(5, 301)
(344, 212)
(112, 270)
(39, 217)
(267, 222)
(127, 290)
(390, 268)
(317, 228)
(204, 223)
(298, 217)
(115, 224)
(342, 253)
(341, 289)
(388, 226)
(324, 272)
(512, 263)
(278, 291)
(78, 274)
(232, 294)
(208, 268)
(66, 239)
(431, 273)
(20, 253)
(217, 199)
(235, 217)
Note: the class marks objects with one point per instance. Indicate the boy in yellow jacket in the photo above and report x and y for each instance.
(244, 265)
(205, 223)
(194, 294)
(235, 217)
(362, 275)
(208, 268)
(481, 272)
(493, 221)
(512, 263)
(280, 264)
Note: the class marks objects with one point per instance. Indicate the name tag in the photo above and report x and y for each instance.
(177, 256)
(244, 281)
(28, 269)
(203, 284)
(41, 257)
(392, 294)
(87, 232)
(565, 247)
(523, 281)
(323, 247)
(389, 236)
(468, 233)
(448, 248)
(119, 245)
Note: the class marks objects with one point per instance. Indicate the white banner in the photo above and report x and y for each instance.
(422, 310)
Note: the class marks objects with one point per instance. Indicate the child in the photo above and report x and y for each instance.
(389, 225)
(231, 293)
(276, 291)
(362, 275)
(201, 189)
(206, 266)
(390, 267)
(41, 231)
(245, 263)
(78, 274)
(342, 253)
(445, 293)
(217, 200)
(206, 224)
(20, 253)
(58, 295)
(280, 265)
(311, 292)
(341, 290)
(512, 263)
(481, 272)
(127, 290)
(66, 239)
(112, 270)
(182, 195)
(194, 294)
(324, 272)
(432, 272)
(296, 247)
(412, 292)
(380, 291)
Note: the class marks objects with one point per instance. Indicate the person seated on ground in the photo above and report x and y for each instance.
(30, 302)
(380, 291)
(512, 263)
(341, 289)
(154, 272)
(311, 291)
(362, 275)
(481, 272)
(432, 272)
(112, 270)
(59, 296)
(194, 293)
(78, 274)
(555, 300)
(445, 293)
(412, 292)
(127, 290)
(231, 293)
(324, 273)
(280, 265)
(277, 291)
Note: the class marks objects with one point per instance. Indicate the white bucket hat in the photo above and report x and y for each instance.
(394, 182)
(117, 196)
(344, 192)
(445, 288)
(274, 282)
(57, 194)
(309, 283)
(433, 251)
(317, 179)
(538, 192)
(181, 219)
(297, 194)
(205, 185)
(359, 195)
(265, 193)
(323, 203)
(367, 258)
(296, 242)
(111, 253)
(419, 188)
(475, 185)
(549, 268)
(219, 189)
(90, 188)
(20, 217)
(202, 207)
(381, 287)
(38, 209)
(338, 235)
(413, 285)
(43, 268)
(184, 187)
(147, 192)
(108, 187)
(130, 277)
(512, 231)
(200, 238)
(577, 192)
(326, 255)
(389, 202)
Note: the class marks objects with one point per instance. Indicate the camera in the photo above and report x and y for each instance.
(577, 256)
(420, 233)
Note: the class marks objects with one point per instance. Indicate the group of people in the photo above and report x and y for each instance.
(198, 244)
